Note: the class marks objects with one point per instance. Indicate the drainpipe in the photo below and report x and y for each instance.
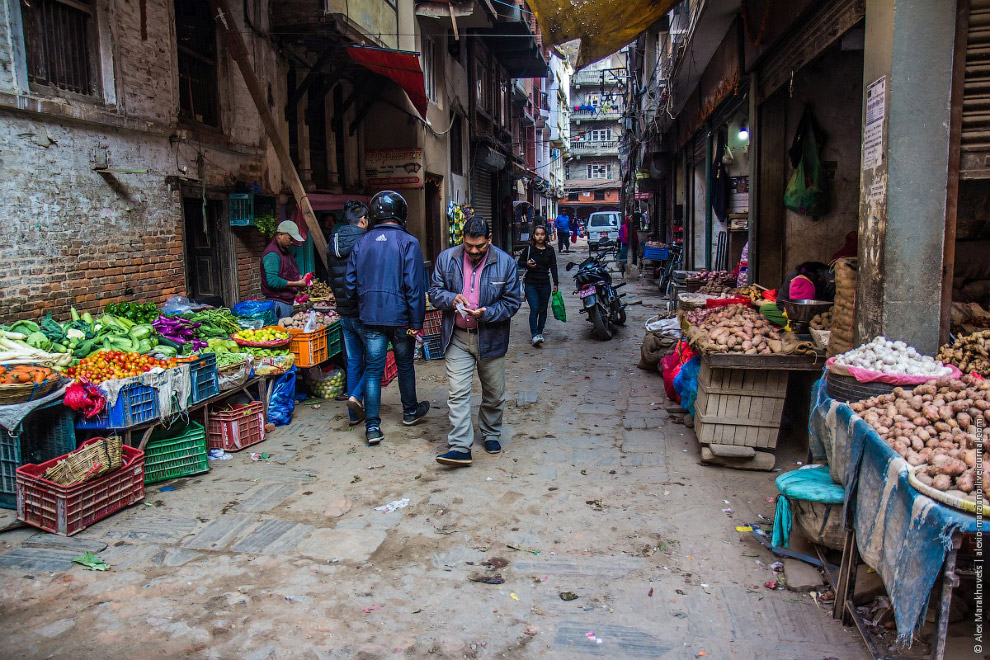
(708, 197)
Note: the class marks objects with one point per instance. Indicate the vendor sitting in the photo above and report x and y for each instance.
(811, 280)
(280, 275)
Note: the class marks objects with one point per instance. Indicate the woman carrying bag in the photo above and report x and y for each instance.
(540, 263)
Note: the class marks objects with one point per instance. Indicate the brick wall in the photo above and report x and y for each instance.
(74, 237)
(250, 243)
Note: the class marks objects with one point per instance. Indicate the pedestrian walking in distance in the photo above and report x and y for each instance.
(540, 262)
(563, 225)
(385, 279)
(477, 287)
(339, 247)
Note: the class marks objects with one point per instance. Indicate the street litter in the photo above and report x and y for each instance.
(531, 551)
(568, 595)
(596, 504)
(220, 455)
(726, 510)
(166, 489)
(513, 596)
(777, 566)
(263, 456)
(495, 562)
(593, 638)
(770, 584)
(392, 506)
(487, 579)
(356, 479)
(91, 562)
(371, 609)
(376, 467)
(649, 594)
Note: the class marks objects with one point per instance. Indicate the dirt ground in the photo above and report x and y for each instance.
(597, 493)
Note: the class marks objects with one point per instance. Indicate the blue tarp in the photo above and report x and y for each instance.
(901, 533)
(811, 484)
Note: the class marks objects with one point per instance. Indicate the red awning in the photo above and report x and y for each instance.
(401, 66)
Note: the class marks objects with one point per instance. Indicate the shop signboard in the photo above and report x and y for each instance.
(643, 195)
(394, 168)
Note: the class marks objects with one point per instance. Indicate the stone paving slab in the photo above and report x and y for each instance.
(69, 543)
(643, 441)
(38, 559)
(605, 568)
(617, 641)
(153, 528)
(266, 497)
(127, 556)
(219, 533)
(273, 537)
(355, 545)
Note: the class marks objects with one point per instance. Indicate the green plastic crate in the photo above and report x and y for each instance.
(335, 339)
(178, 451)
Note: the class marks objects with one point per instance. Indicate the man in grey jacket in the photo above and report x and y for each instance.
(477, 287)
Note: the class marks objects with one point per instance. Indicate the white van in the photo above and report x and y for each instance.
(603, 225)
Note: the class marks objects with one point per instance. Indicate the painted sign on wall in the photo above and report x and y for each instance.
(394, 168)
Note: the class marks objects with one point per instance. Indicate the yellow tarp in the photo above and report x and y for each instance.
(603, 26)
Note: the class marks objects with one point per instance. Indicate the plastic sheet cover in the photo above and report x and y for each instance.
(603, 26)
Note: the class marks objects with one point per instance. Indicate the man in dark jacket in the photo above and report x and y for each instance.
(339, 248)
(477, 287)
(385, 280)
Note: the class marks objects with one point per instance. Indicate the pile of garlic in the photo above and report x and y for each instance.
(892, 357)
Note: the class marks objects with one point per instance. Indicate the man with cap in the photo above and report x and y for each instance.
(280, 275)
(385, 278)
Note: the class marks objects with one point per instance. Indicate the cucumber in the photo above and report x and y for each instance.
(141, 331)
(167, 351)
(165, 341)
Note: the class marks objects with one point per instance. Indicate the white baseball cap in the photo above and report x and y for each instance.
(290, 228)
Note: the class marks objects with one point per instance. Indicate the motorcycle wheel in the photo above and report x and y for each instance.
(601, 328)
(620, 316)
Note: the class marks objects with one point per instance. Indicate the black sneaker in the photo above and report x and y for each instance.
(413, 418)
(373, 436)
(493, 446)
(455, 458)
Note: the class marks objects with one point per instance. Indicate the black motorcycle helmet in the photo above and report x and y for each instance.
(388, 205)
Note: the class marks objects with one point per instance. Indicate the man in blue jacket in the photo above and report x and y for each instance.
(477, 287)
(385, 280)
(563, 224)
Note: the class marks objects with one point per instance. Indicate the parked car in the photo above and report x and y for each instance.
(603, 225)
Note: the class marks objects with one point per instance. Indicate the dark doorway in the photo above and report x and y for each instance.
(204, 250)
(434, 217)
(316, 119)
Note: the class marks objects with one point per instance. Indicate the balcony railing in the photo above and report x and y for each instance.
(595, 78)
(596, 114)
(595, 148)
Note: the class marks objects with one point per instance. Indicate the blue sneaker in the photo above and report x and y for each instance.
(455, 458)
(493, 446)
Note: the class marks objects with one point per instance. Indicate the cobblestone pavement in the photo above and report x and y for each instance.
(287, 558)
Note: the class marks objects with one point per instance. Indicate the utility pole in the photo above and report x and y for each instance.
(238, 51)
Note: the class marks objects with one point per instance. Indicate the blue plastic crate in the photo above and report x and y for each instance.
(433, 347)
(204, 377)
(655, 253)
(46, 433)
(136, 404)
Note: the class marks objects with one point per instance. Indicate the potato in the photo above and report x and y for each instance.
(942, 482)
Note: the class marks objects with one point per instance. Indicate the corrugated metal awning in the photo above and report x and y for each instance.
(603, 26)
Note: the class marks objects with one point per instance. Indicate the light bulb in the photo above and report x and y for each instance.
(743, 133)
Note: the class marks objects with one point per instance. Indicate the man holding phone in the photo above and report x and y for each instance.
(477, 287)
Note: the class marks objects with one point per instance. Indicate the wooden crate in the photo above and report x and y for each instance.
(739, 406)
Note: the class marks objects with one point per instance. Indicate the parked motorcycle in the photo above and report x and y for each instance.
(599, 299)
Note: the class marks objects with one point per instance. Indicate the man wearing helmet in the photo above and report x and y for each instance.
(385, 279)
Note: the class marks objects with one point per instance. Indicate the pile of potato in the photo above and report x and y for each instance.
(735, 329)
(969, 353)
(299, 319)
(822, 321)
(936, 424)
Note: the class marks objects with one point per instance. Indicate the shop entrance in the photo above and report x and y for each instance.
(204, 248)
(434, 217)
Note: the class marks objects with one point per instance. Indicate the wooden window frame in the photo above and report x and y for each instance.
(92, 47)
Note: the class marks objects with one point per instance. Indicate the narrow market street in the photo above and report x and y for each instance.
(597, 494)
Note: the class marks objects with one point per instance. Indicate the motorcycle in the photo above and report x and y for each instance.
(599, 299)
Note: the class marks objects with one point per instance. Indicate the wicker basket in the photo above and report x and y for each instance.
(968, 506)
(92, 460)
(23, 392)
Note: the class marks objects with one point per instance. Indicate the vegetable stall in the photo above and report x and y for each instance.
(176, 383)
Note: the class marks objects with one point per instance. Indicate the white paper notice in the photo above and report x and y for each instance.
(876, 112)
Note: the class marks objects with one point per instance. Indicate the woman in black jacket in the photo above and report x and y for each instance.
(540, 263)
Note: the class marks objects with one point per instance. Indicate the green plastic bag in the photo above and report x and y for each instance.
(557, 304)
(806, 191)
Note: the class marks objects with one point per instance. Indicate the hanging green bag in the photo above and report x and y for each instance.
(806, 192)
(557, 304)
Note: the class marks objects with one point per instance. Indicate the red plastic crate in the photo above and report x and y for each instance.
(391, 369)
(433, 323)
(68, 510)
(236, 428)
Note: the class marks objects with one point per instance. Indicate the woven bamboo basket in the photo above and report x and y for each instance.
(88, 462)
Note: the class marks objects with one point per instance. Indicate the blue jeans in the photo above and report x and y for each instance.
(376, 339)
(538, 297)
(353, 333)
(282, 309)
